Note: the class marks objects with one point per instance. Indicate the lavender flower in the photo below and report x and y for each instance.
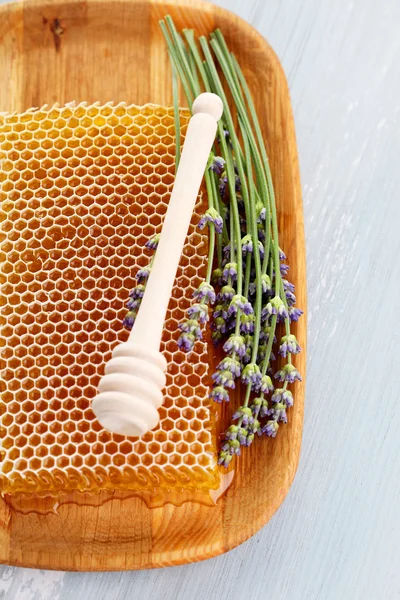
(261, 211)
(284, 269)
(186, 341)
(219, 394)
(230, 270)
(224, 378)
(282, 396)
(278, 412)
(216, 277)
(287, 286)
(240, 303)
(143, 274)
(223, 182)
(230, 363)
(219, 324)
(270, 428)
(200, 311)
(282, 255)
(217, 165)
(289, 344)
(224, 458)
(231, 446)
(221, 310)
(191, 326)
(247, 323)
(288, 373)
(205, 291)
(235, 344)
(129, 319)
(266, 384)
(275, 307)
(232, 432)
(247, 245)
(294, 313)
(252, 375)
(244, 413)
(137, 292)
(152, 243)
(133, 304)
(211, 216)
(290, 298)
(266, 283)
(227, 293)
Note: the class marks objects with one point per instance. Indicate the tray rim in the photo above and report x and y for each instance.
(176, 558)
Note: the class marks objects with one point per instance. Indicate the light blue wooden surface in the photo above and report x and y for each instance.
(337, 536)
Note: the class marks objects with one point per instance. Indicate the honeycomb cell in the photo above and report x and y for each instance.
(82, 188)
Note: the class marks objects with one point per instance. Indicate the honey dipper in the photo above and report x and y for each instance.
(130, 392)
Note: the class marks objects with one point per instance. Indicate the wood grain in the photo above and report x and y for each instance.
(113, 50)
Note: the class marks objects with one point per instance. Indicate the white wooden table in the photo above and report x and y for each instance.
(337, 536)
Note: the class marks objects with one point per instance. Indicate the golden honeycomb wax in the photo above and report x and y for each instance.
(81, 190)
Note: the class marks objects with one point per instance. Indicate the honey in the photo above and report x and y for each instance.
(82, 188)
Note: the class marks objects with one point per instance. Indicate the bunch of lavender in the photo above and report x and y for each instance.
(247, 298)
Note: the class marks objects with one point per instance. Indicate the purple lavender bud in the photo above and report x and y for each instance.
(288, 373)
(261, 214)
(227, 251)
(230, 270)
(249, 439)
(200, 311)
(191, 326)
(216, 277)
(133, 303)
(232, 432)
(264, 410)
(279, 413)
(230, 364)
(266, 384)
(153, 242)
(143, 274)
(247, 245)
(244, 413)
(252, 375)
(235, 344)
(284, 269)
(242, 435)
(240, 303)
(282, 396)
(256, 406)
(266, 283)
(282, 255)
(217, 165)
(220, 311)
(137, 292)
(186, 341)
(289, 344)
(290, 298)
(227, 293)
(213, 217)
(224, 378)
(219, 394)
(205, 291)
(270, 428)
(287, 286)
(275, 307)
(219, 324)
(246, 323)
(294, 313)
(129, 319)
(224, 459)
(222, 185)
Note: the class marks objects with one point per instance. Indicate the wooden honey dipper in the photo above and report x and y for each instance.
(130, 392)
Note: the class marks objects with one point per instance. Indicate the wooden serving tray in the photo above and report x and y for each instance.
(63, 50)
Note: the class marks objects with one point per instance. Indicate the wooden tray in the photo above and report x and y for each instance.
(63, 50)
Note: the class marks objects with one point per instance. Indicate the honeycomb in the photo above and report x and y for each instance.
(82, 188)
